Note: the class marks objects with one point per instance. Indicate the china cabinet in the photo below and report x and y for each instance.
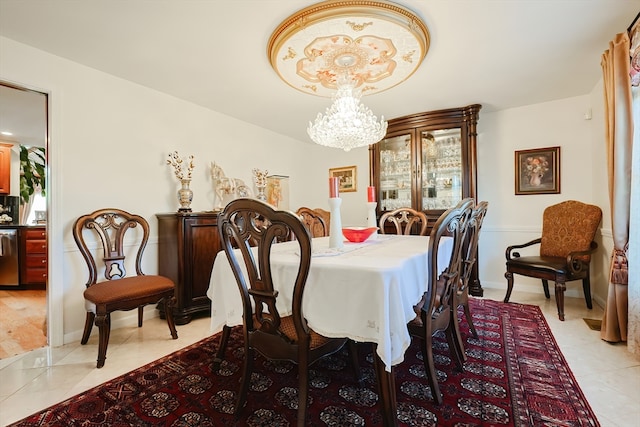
(188, 243)
(427, 162)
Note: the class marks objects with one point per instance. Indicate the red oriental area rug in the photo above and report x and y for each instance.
(514, 375)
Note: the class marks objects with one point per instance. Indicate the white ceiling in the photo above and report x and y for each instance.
(499, 53)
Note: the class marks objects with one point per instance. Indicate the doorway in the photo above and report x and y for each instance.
(24, 128)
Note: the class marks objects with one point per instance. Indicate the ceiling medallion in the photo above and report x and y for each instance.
(343, 49)
(375, 44)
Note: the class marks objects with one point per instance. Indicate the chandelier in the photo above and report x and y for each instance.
(347, 123)
(343, 49)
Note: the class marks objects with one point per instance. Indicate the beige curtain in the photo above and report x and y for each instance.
(619, 138)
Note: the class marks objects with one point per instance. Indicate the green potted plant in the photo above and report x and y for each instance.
(32, 172)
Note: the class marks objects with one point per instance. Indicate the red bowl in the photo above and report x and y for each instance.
(358, 234)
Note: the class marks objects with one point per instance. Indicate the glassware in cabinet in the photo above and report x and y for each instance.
(395, 172)
(427, 162)
(441, 152)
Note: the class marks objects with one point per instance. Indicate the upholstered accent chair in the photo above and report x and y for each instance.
(404, 221)
(566, 246)
(121, 291)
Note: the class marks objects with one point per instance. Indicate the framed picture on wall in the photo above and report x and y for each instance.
(278, 191)
(347, 178)
(537, 171)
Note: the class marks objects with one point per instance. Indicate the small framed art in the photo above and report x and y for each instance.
(537, 171)
(347, 178)
(278, 191)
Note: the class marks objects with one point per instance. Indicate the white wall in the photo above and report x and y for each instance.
(513, 219)
(109, 139)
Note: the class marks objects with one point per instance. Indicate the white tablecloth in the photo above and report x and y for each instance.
(365, 292)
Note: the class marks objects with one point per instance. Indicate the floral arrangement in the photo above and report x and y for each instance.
(260, 177)
(536, 166)
(260, 180)
(181, 169)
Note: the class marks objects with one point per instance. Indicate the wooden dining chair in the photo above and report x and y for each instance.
(121, 291)
(274, 335)
(433, 312)
(403, 221)
(314, 221)
(469, 259)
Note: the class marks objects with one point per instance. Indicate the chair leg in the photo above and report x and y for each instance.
(168, 304)
(246, 376)
(353, 352)
(103, 322)
(586, 286)
(560, 288)
(454, 326)
(430, 369)
(457, 352)
(545, 286)
(88, 325)
(140, 314)
(303, 388)
(467, 314)
(224, 339)
(509, 276)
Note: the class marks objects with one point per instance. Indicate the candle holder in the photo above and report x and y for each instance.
(371, 217)
(336, 240)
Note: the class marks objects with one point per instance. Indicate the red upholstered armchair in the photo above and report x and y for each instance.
(566, 245)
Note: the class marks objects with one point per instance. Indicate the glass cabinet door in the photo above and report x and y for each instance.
(395, 173)
(427, 162)
(441, 158)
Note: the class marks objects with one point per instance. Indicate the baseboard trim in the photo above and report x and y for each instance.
(537, 289)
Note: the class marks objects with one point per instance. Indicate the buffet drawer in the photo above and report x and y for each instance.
(33, 256)
(37, 233)
(35, 276)
(36, 246)
(36, 261)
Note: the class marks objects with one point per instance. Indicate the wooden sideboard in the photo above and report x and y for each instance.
(33, 256)
(187, 247)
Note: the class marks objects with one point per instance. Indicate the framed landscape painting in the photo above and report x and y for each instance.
(347, 178)
(537, 171)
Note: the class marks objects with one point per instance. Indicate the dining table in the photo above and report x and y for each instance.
(364, 291)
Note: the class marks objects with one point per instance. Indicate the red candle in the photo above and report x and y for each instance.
(371, 194)
(334, 184)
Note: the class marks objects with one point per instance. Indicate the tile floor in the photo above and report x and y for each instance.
(608, 375)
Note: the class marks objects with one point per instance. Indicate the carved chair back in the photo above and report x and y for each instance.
(404, 221)
(314, 222)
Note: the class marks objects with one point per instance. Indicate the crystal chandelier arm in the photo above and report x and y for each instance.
(347, 123)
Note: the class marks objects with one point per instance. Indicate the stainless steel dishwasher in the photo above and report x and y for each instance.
(9, 267)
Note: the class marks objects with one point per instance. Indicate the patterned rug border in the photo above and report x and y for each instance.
(533, 398)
